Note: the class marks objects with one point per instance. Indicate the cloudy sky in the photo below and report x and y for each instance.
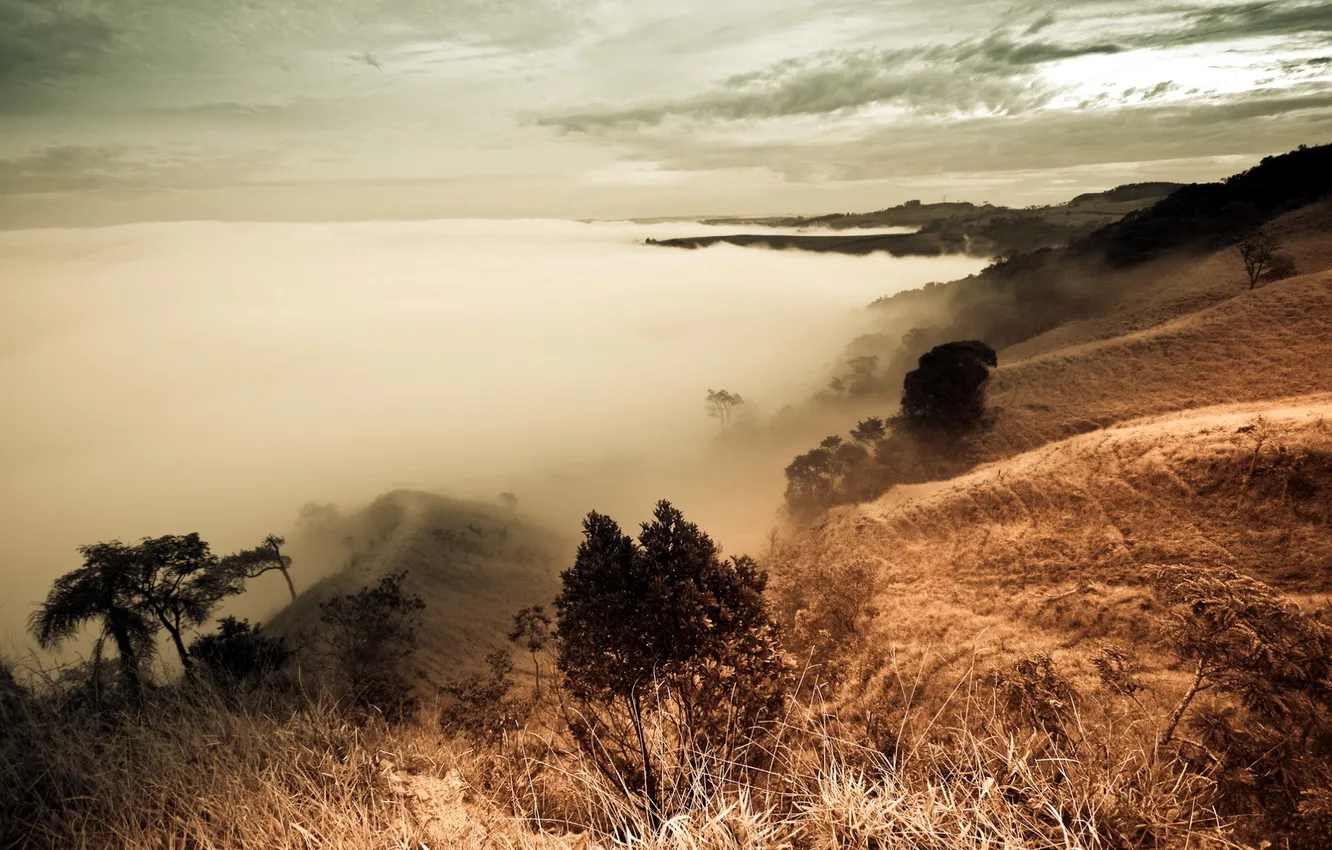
(143, 109)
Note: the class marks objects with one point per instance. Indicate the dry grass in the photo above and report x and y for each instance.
(1261, 345)
(194, 770)
(1047, 551)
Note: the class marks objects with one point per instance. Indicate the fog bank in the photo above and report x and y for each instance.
(213, 377)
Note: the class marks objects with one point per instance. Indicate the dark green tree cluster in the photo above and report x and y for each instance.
(943, 406)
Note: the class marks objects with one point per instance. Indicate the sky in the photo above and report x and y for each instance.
(130, 110)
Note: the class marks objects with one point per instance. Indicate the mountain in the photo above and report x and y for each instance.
(474, 564)
(957, 227)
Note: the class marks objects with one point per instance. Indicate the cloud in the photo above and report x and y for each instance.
(993, 74)
(1256, 124)
(72, 167)
(986, 75)
(47, 41)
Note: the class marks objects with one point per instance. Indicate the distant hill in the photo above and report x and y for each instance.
(957, 227)
(474, 564)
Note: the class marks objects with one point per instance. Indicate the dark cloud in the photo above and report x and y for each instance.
(44, 42)
(993, 74)
(1057, 139)
(1248, 20)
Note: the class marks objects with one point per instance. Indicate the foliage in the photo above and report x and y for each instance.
(1033, 694)
(262, 559)
(531, 630)
(171, 582)
(1272, 742)
(476, 705)
(945, 395)
(667, 616)
(370, 636)
(942, 405)
(720, 405)
(238, 652)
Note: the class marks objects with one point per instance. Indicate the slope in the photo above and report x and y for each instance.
(1047, 551)
(474, 565)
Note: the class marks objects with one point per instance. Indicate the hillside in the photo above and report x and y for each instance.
(944, 228)
(474, 565)
(1047, 551)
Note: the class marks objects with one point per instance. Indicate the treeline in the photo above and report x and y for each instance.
(943, 406)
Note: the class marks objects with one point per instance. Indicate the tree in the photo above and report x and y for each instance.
(239, 652)
(104, 589)
(264, 558)
(509, 500)
(869, 432)
(370, 635)
(946, 393)
(181, 581)
(667, 614)
(531, 630)
(172, 582)
(1258, 250)
(720, 404)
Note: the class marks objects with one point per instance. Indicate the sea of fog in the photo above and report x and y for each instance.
(213, 377)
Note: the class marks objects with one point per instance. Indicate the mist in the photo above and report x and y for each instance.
(214, 377)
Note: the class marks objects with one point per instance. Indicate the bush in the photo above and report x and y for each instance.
(238, 652)
(665, 626)
(369, 638)
(1271, 742)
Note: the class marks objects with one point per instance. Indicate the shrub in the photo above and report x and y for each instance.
(665, 616)
(238, 652)
(369, 638)
(1271, 743)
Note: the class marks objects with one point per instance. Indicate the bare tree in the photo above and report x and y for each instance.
(1258, 251)
(720, 405)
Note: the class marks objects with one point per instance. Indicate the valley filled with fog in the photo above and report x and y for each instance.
(214, 377)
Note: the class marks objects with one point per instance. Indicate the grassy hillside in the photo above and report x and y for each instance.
(1049, 551)
(474, 565)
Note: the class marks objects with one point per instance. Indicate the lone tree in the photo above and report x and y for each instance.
(105, 589)
(531, 630)
(720, 405)
(946, 393)
(172, 582)
(264, 558)
(369, 637)
(667, 615)
(1258, 251)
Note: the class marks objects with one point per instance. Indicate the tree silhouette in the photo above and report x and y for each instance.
(105, 589)
(264, 558)
(369, 636)
(531, 630)
(172, 582)
(667, 614)
(1258, 250)
(720, 405)
(946, 393)
(182, 581)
